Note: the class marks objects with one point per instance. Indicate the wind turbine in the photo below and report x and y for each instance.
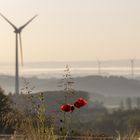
(17, 32)
(132, 66)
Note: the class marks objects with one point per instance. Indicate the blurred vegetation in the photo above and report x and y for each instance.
(41, 111)
(9, 117)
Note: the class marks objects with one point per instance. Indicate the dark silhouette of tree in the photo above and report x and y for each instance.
(4, 102)
(122, 105)
(129, 103)
(5, 108)
(138, 102)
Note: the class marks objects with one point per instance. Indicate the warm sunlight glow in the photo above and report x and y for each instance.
(72, 29)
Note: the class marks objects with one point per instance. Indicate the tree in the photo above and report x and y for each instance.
(5, 109)
(4, 102)
(122, 105)
(138, 102)
(129, 103)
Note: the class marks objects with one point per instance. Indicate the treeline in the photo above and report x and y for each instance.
(123, 122)
(130, 103)
(124, 119)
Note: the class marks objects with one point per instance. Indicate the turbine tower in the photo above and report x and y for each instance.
(132, 67)
(17, 32)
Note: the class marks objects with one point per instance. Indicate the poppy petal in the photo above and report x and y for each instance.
(80, 102)
(66, 107)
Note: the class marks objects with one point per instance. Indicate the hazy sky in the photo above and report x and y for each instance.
(72, 29)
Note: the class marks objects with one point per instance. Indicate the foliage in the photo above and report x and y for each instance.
(34, 121)
(121, 121)
(5, 113)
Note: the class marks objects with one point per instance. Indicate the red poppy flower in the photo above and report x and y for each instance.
(67, 108)
(80, 102)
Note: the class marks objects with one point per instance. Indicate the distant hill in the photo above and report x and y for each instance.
(109, 86)
(101, 85)
(54, 100)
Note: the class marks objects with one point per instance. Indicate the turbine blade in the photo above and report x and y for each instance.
(21, 51)
(20, 28)
(8, 21)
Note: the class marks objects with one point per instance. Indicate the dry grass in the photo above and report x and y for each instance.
(132, 135)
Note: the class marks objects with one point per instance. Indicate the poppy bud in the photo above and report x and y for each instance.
(72, 108)
(72, 131)
(61, 121)
(61, 129)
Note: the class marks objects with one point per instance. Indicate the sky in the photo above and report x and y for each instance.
(72, 30)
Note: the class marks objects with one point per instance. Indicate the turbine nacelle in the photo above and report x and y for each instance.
(17, 31)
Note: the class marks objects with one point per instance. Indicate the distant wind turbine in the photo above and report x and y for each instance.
(18, 31)
(132, 67)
